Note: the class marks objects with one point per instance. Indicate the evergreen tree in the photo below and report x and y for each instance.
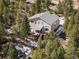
(65, 6)
(53, 48)
(1, 32)
(66, 18)
(71, 23)
(24, 27)
(17, 11)
(47, 4)
(71, 51)
(76, 36)
(73, 35)
(2, 8)
(37, 54)
(60, 7)
(33, 10)
(8, 14)
(67, 11)
(58, 54)
(68, 7)
(1, 19)
(38, 6)
(6, 11)
(12, 12)
(11, 52)
(43, 2)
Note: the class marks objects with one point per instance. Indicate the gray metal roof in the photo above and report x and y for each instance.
(46, 16)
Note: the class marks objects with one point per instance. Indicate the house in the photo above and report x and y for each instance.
(43, 22)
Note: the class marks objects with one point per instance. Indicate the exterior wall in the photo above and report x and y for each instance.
(55, 24)
(61, 20)
(37, 25)
(44, 24)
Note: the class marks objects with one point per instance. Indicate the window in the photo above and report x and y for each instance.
(46, 29)
(32, 21)
(38, 31)
(35, 22)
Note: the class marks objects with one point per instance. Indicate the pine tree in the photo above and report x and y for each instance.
(67, 11)
(43, 2)
(1, 19)
(11, 52)
(53, 48)
(60, 7)
(58, 54)
(39, 52)
(12, 12)
(73, 35)
(71, 51)
(71, 23)
(17, 11)
(38, 6)
(2, 8)
(77, 33)
(6, 11)
(8, 14)
(65, 6)
(66, 18)
(24, 27)
(47, 3)
(1, 32)
(33, 10)
(68, 7)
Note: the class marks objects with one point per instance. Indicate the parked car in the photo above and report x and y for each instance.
(59, 32)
